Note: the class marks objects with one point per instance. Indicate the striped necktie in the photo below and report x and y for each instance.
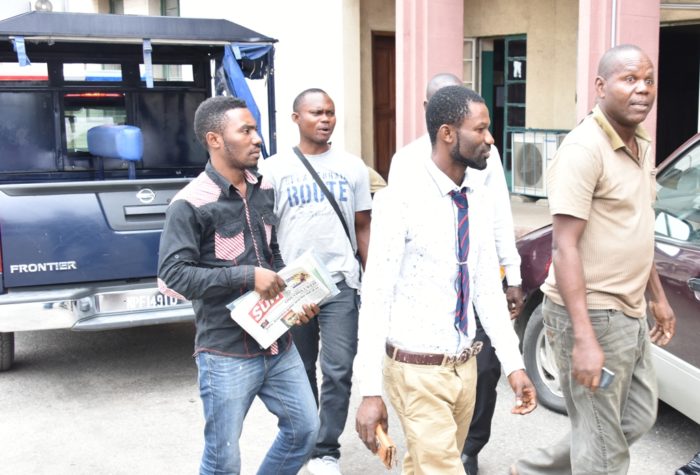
(462, 247)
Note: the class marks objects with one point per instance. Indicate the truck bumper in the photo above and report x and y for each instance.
(90, 308)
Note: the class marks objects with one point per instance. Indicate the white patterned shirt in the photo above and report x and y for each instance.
(409, 158)
(409, 289)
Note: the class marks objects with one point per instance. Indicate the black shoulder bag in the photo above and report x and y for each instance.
(329, 196)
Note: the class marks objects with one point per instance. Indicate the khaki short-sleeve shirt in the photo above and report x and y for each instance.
(595, 177)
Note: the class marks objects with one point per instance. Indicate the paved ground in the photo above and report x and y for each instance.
(125, 402)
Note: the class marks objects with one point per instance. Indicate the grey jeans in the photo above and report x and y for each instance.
(606, 422)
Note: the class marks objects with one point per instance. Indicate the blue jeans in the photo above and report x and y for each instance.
(336, 328)
(606, 422)
(228, 385)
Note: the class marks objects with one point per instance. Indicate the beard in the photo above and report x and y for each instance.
(233, 157)
(470, 162)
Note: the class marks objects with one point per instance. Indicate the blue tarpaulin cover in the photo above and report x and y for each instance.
(235, 77)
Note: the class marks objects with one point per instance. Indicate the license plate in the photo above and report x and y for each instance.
(133, 301)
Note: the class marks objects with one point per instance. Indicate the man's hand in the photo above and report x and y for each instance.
(515, 298)
(372, 411)
(267, 283)
(587, 359)
(665, 322)
(309, 311)
(525, 394)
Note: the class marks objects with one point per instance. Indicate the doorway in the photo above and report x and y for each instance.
(384, 98)
(678, 89)
(503, 79)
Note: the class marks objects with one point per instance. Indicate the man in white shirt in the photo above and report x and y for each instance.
(417, 316)
(406, 162)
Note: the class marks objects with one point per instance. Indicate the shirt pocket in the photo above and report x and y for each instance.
(229, 241)
(269, 220)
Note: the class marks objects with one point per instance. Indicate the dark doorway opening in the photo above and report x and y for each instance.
(498, 93)
(679, 82)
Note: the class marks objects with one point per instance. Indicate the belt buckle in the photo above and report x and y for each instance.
(456, 359)
(449, 359)
(464, 356)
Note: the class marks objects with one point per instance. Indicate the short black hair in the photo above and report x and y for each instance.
(610, 62)
(298, 100)
(449, 106)
(211, 115)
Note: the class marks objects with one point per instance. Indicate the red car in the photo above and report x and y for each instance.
(677, 257)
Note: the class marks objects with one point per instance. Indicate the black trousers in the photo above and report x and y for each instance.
(488, 372)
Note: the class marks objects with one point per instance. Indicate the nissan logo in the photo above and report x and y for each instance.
(146, 196)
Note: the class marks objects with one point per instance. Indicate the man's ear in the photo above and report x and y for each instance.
(599, 84)
(213, 140)
(295, 117)
(446, 133)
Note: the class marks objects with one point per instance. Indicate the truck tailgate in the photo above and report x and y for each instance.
(73, 232)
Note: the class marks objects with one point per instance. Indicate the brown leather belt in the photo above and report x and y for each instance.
(403, 356)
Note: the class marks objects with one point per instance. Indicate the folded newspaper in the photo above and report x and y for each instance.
(308, 282)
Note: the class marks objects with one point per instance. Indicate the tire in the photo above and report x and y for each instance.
(7, 350)
(541, 365)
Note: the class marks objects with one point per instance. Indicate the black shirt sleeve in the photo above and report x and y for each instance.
(180, 266)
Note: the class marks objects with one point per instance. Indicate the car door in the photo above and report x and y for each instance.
(677, 260)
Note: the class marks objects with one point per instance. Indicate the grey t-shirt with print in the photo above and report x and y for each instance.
(307, 220)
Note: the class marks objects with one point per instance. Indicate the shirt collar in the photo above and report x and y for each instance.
(615, 140)
(252, 176)
(443, 183)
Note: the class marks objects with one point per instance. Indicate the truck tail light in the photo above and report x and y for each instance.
(94, 95)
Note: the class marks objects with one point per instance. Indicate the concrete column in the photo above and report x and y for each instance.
(429, 40)
(606, 23)
(352, 92)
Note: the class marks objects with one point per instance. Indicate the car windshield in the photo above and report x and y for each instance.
(678, 199)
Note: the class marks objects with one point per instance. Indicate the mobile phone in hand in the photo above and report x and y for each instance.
(606, 377)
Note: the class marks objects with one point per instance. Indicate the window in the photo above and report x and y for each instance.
(469, 72)
(13, 72)
(169, 73)
(85, 110)
(678, 199)
(92, 72)
(170, 7)
(116, 7)
(144, 7)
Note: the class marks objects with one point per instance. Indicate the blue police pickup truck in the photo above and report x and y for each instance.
(96, 137)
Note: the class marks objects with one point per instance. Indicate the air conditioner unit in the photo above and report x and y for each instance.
(532, 152)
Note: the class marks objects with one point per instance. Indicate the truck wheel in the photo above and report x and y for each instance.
(541, 365)
(7, 350)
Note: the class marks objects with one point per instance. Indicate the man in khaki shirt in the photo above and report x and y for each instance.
(601, 190)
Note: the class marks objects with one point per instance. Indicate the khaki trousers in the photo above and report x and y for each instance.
(435, 406)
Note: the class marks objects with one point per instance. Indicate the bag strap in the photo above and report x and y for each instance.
(322, 186)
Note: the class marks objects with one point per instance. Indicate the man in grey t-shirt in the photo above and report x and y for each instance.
(308, 221)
